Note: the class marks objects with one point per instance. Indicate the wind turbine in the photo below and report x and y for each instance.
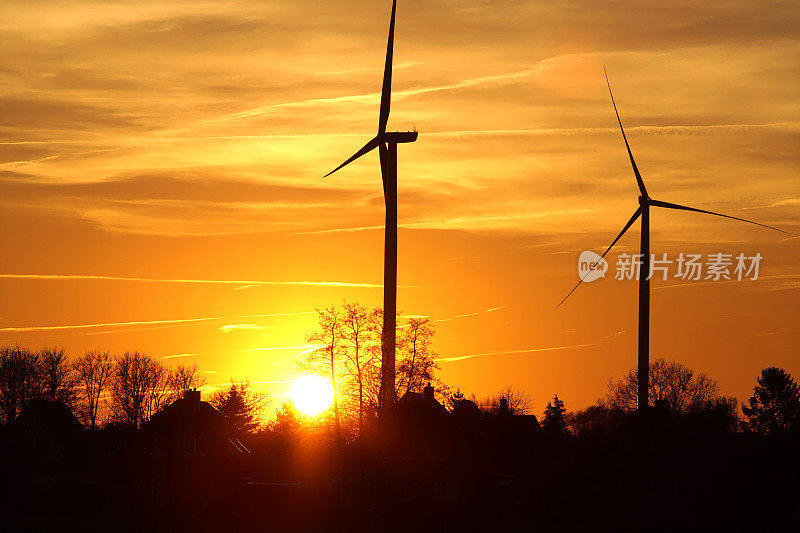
(643, 211)
(386, 143)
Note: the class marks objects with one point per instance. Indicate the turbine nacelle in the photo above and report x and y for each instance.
(399, 137)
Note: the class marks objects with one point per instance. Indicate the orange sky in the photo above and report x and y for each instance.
(185, 142)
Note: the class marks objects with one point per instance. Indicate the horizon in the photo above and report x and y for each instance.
(163, 192)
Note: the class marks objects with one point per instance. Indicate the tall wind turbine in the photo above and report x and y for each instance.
(386, 143)
(643, 211)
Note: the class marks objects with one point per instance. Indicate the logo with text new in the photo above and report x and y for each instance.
(591, 266)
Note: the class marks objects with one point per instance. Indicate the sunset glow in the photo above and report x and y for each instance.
(161, 173)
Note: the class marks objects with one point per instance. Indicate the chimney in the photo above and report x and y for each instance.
(193, 396)
(503, 408)
(427, 392)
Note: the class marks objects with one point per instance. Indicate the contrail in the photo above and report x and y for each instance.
(455, 222)
(467, 315)
(647, 130)
(527, 350)
(202, 281)
(144, 323)
(110, 324)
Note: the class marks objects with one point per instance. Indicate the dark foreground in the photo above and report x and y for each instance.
(425, 474)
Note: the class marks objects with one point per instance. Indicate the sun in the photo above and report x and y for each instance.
(312, 395)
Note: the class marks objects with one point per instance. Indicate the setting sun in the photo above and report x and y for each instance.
(312, 395)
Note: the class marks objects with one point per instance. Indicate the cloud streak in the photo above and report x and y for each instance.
(143, 323)
(511, 352)
(197, 281)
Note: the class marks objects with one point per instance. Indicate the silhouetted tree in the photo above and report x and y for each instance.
(20, 380)
(239, 405)
(138, 388)
(93, 372)
(598, 420)
(287, 420)
(454, 398)
(58, 377)
(360, 334)
(774, 407)
(183, 378)
(416, 361)
(669, 380)
(517, 401)
(327, 359)
(555, 417)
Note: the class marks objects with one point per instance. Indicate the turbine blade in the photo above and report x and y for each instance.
(621, 233)
(679, 207)
(386, 90)
(371, 145)
(383, 152)
(639, 179)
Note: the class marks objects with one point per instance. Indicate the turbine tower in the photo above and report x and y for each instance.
(643, 211)
(386, 143)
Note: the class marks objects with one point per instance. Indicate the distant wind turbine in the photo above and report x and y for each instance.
(645, 202)
(386, 143)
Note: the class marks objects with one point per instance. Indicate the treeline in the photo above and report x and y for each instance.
(693, 400)
(99, 388)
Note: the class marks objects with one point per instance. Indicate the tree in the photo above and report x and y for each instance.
(454, 398)
(555, 419)
(597, 420)
(93, 372)
(58, 378)
(774, 407)
(509, 399)
(184, 378)
(20, 380)
(360, 335)
(416, 364)
(669, 380)
(239, 405)
(328, 357)
(287, 420)
(139, 387)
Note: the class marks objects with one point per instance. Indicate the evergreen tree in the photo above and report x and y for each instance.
(774, 407)
(555, 417)
(239, 405)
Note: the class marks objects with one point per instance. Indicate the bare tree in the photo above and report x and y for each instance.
(58, 377)
(184, 378)
(93, 372)
(138, 388)
(512, 400)
(328, 357)
(417, 364)
(361, 342)
(670, 381)
(20, 380)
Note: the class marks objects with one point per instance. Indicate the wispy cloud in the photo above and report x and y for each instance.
(476, 222)
(466, 315)
(180, 355)
(198, 281)
(143, 322)
(510, 352)
(227, 328)
(374, 98)
(108, 324)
